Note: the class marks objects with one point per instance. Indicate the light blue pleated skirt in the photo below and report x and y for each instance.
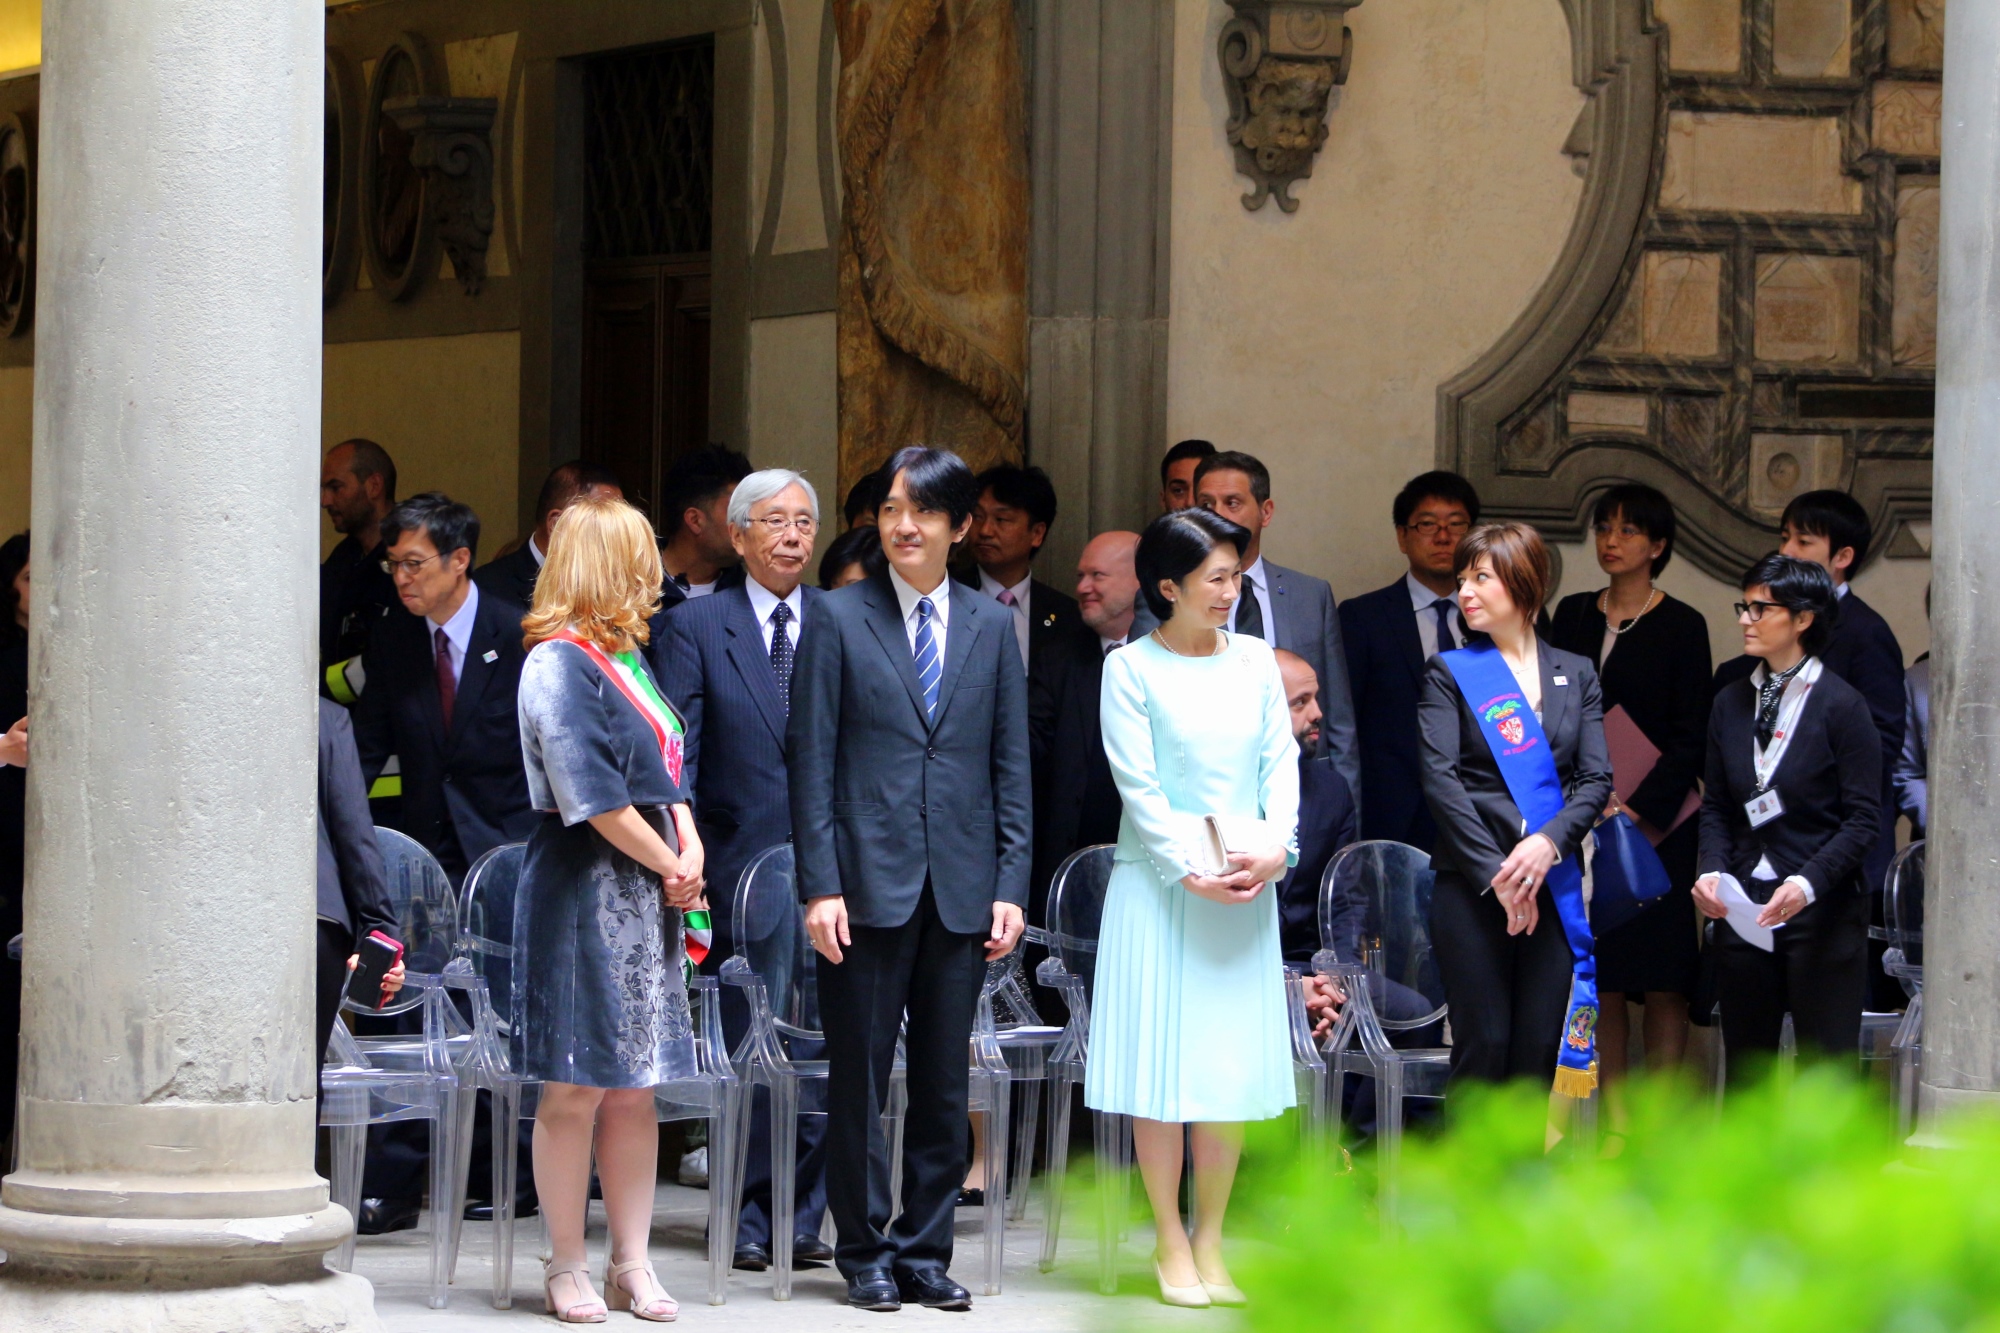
(1188, 1018)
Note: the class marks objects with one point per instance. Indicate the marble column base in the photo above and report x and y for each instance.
(245, 1275)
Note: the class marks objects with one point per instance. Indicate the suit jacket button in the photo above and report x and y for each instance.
(923, 809)
(931, 753)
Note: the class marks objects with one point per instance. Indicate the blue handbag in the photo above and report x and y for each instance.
(1626, 874)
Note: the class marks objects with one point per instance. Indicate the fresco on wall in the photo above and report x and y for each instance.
(934, 230)
(1757, 316)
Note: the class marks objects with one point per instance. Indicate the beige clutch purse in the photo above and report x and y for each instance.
(1223, 834)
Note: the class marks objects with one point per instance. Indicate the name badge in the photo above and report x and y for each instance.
(1763, 809)
(1562, 680)
(491, 656)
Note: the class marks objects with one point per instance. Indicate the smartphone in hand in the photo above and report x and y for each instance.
(379, 954)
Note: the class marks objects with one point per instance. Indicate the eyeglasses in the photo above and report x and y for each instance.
(775, 524)
(1754, 611)
(410, 567)
(1430, 527)
(1622, 530)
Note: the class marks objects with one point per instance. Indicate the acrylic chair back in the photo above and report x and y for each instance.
(1374, 913)
(770, 934)
(1903, 913)
(486, 931)
(426, 915)
(1076, 909)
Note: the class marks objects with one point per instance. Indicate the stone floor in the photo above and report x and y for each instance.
(1059, 1302)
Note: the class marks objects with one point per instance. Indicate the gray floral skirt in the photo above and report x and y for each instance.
(597, 976)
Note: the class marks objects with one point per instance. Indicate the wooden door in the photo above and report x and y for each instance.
(645, 369)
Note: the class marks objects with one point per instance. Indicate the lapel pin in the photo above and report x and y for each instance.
(491, 656)
(1049, 620)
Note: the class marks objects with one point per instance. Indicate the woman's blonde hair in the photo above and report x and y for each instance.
(601, 578)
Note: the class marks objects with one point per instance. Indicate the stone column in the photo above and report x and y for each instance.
(165, 1175)
(1961, 1059)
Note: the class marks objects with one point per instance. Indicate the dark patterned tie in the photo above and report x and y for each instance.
(447, 683)
(930, 666)
(1249, 612)
(1446, 639)
(781, 654)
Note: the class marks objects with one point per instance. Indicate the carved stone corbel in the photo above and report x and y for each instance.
(1280, 62)
(452, 145)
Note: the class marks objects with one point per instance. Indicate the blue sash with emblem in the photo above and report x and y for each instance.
(1521, 750)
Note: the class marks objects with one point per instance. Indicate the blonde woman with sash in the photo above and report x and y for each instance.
(599, 916)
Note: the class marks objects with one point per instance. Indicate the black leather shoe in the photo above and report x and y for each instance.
(933, 1289)
(752, 1258)
(873, 1289)
(811, 1250)
(481, 1210)
(971, 1198)
(379, 1217)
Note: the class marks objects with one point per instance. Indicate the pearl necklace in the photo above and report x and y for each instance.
(1603, 602)
(1161, 639)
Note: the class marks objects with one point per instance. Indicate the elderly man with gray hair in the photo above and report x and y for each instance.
(726, 662)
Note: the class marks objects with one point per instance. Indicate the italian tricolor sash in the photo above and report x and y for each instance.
(624, 671)
(1521, 751)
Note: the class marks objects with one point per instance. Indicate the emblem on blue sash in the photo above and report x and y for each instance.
(1514, 735)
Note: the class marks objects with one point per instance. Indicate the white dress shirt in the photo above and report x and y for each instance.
(541, 556)
(763, 602)
(1421, 600)
(458, 630)
(1106, 645)
(993, 588)
(694, 590)
(1256, 573)
(1792, 705)
(906, 597)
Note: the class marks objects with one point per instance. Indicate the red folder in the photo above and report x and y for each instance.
(1632, 758)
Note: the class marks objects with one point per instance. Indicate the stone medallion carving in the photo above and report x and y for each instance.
(1281, 60)
(451, 143)
(397, 232)
(1746, 307)
(17, 225)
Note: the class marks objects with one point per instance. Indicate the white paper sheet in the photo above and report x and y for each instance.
(1743, 915)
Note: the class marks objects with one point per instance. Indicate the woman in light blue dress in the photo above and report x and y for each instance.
(1188, 1015)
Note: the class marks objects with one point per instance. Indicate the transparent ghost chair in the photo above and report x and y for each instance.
(1075, 913)
(1024, 1041)
(1374, 923)
(1903, 917)
(773, 963)
(493, 961)
(407, 1076)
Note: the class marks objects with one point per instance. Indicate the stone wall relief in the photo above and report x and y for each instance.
(1281, 60)
(1757, 317)
(17, 224)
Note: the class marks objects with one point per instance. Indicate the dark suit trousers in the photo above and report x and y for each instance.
(935, 975)
(1508, 993)
(1818, 973)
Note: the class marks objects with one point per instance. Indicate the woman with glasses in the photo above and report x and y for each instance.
(598, 917)
(1791, 806)
(1652, 658)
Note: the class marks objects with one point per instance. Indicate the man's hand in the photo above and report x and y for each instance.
(826, 926)
(14, 745)
(1006, 934)
(1323, 1000)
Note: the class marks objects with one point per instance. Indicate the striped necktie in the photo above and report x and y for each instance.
(930, 667)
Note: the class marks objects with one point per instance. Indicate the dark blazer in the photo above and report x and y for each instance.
(1054, 619)
(1385, 672)
(1477, 820)
(1308, 624)
(884, 802)
(353, 887)
(1865, 654)
(465, 792)
(355, 596)
(511, 577)
(1830, 782)
(716, 671)
(1326, 824)
(1076, 801)
(1660, 676)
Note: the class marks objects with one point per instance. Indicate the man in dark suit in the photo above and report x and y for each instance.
(1326, 820)
(357, 487)
(511, 577)
(693, 522)
(443, 674)
(1009, 524)
(1177, 473)
(1388, 635)
(1076, 802)
(727, 662)
(1283, 607)
(912, 814)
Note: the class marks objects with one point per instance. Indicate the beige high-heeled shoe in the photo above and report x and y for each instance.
(1188, 1298)
(593, 1309)
(618, 1297)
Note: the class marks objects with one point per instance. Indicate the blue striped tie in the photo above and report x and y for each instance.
(929, 668)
